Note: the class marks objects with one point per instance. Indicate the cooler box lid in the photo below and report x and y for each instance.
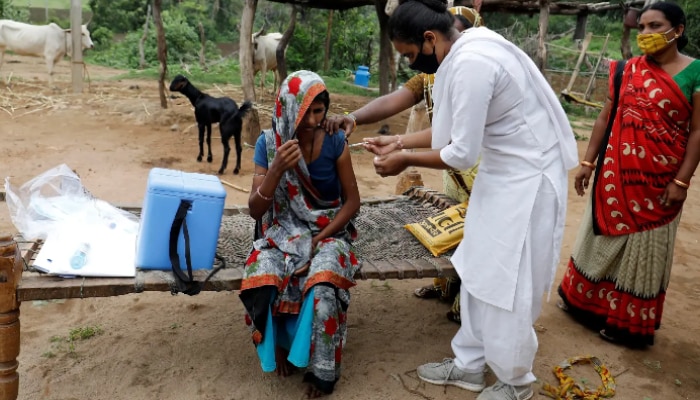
(168, 181)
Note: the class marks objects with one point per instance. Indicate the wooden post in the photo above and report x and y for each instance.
(10, 276)
(577, 68)
(162, 52)
(251, 122)
(542, 37)
(385, 47)
(581, 22)
(142, 42)
(203, 39)
(625, 47)
(327, 55)
(591, 82)
(281, 51)
(76, 57)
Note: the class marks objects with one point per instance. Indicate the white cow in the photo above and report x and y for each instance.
(50, 41)
(265, 56)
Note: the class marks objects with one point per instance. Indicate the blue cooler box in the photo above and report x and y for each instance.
(165, 189)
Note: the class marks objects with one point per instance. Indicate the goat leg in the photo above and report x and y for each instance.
(225, 136)
(209, 156)
(201, 128)
(239, 148)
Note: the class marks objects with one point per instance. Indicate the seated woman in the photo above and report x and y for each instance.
(296, 280)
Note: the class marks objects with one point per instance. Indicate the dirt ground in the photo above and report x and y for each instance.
(155, 346)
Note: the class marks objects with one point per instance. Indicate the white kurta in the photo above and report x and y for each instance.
(489, 98)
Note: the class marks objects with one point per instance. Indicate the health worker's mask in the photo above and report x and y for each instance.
(426, 64)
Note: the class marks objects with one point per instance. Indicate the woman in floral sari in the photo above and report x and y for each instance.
(618, 274)
(296, 281)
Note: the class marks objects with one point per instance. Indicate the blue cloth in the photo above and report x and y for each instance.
(295, 336)
(323, 171)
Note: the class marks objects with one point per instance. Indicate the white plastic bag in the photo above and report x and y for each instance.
(56, 198)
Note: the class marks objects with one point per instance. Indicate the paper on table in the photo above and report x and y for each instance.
(111, 251)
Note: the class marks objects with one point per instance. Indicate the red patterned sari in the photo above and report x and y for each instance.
(644, 152)
(620, 268)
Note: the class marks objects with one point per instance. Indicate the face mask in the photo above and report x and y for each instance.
(427, 64)
(650, 43)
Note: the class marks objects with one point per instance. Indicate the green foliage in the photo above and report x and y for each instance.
(119, 15)
(102, 38)
(692, 28)
(9, 10)
(354, 40)
(182, 41)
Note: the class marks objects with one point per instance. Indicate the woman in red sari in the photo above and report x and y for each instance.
(618, 274)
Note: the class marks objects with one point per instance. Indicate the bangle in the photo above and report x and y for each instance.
(354, 120)
(399, 143)
(259, 175)
(262, 196)
(681, 183)
(587, 164)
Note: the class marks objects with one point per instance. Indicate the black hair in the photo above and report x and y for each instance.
(413, 17)
(325, 98)
(674, 14)
(464, 21)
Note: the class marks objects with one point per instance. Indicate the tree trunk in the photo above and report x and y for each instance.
(203, 39)
(625, 48)
(215, 7)
(385, 47)
(142, 42)
(542, 37)
(282, 45)
(581, 21)
(162, 52)
(327, 55)
(252, 120)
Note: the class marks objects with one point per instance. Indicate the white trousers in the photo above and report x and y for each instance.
(505, 340)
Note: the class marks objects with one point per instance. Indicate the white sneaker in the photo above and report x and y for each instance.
(503, 391)
(447, 373)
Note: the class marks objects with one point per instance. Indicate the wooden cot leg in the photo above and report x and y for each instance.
(10, 276)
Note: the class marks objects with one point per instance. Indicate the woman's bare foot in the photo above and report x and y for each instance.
(284, 367)
(313, 393)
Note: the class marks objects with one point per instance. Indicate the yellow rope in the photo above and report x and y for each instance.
(570, 390)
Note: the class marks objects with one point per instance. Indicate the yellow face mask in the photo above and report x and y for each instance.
(650, 43)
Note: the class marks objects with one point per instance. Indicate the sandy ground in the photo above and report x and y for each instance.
(155, 346)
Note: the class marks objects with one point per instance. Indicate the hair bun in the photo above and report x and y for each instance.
(439, 6)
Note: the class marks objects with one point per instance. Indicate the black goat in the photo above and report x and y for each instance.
(209, 110)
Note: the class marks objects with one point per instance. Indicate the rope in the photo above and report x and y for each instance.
(570, 390)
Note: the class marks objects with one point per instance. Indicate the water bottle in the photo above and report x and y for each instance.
(79, 258)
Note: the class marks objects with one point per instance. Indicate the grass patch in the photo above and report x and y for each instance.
(59, 343)
(229, 72)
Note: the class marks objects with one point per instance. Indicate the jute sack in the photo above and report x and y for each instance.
(441, 232)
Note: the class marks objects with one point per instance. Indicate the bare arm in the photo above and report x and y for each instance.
(386, 144)
(692, 151)
(394, 163)
(677, 190)
(266, 180)
(385, 106)
(376, 110)
(583, 176)
(351, 201)
(598, 132)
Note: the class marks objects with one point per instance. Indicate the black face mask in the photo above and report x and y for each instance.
(427, 64)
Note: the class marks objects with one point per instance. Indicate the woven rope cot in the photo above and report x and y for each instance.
(386, 248)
